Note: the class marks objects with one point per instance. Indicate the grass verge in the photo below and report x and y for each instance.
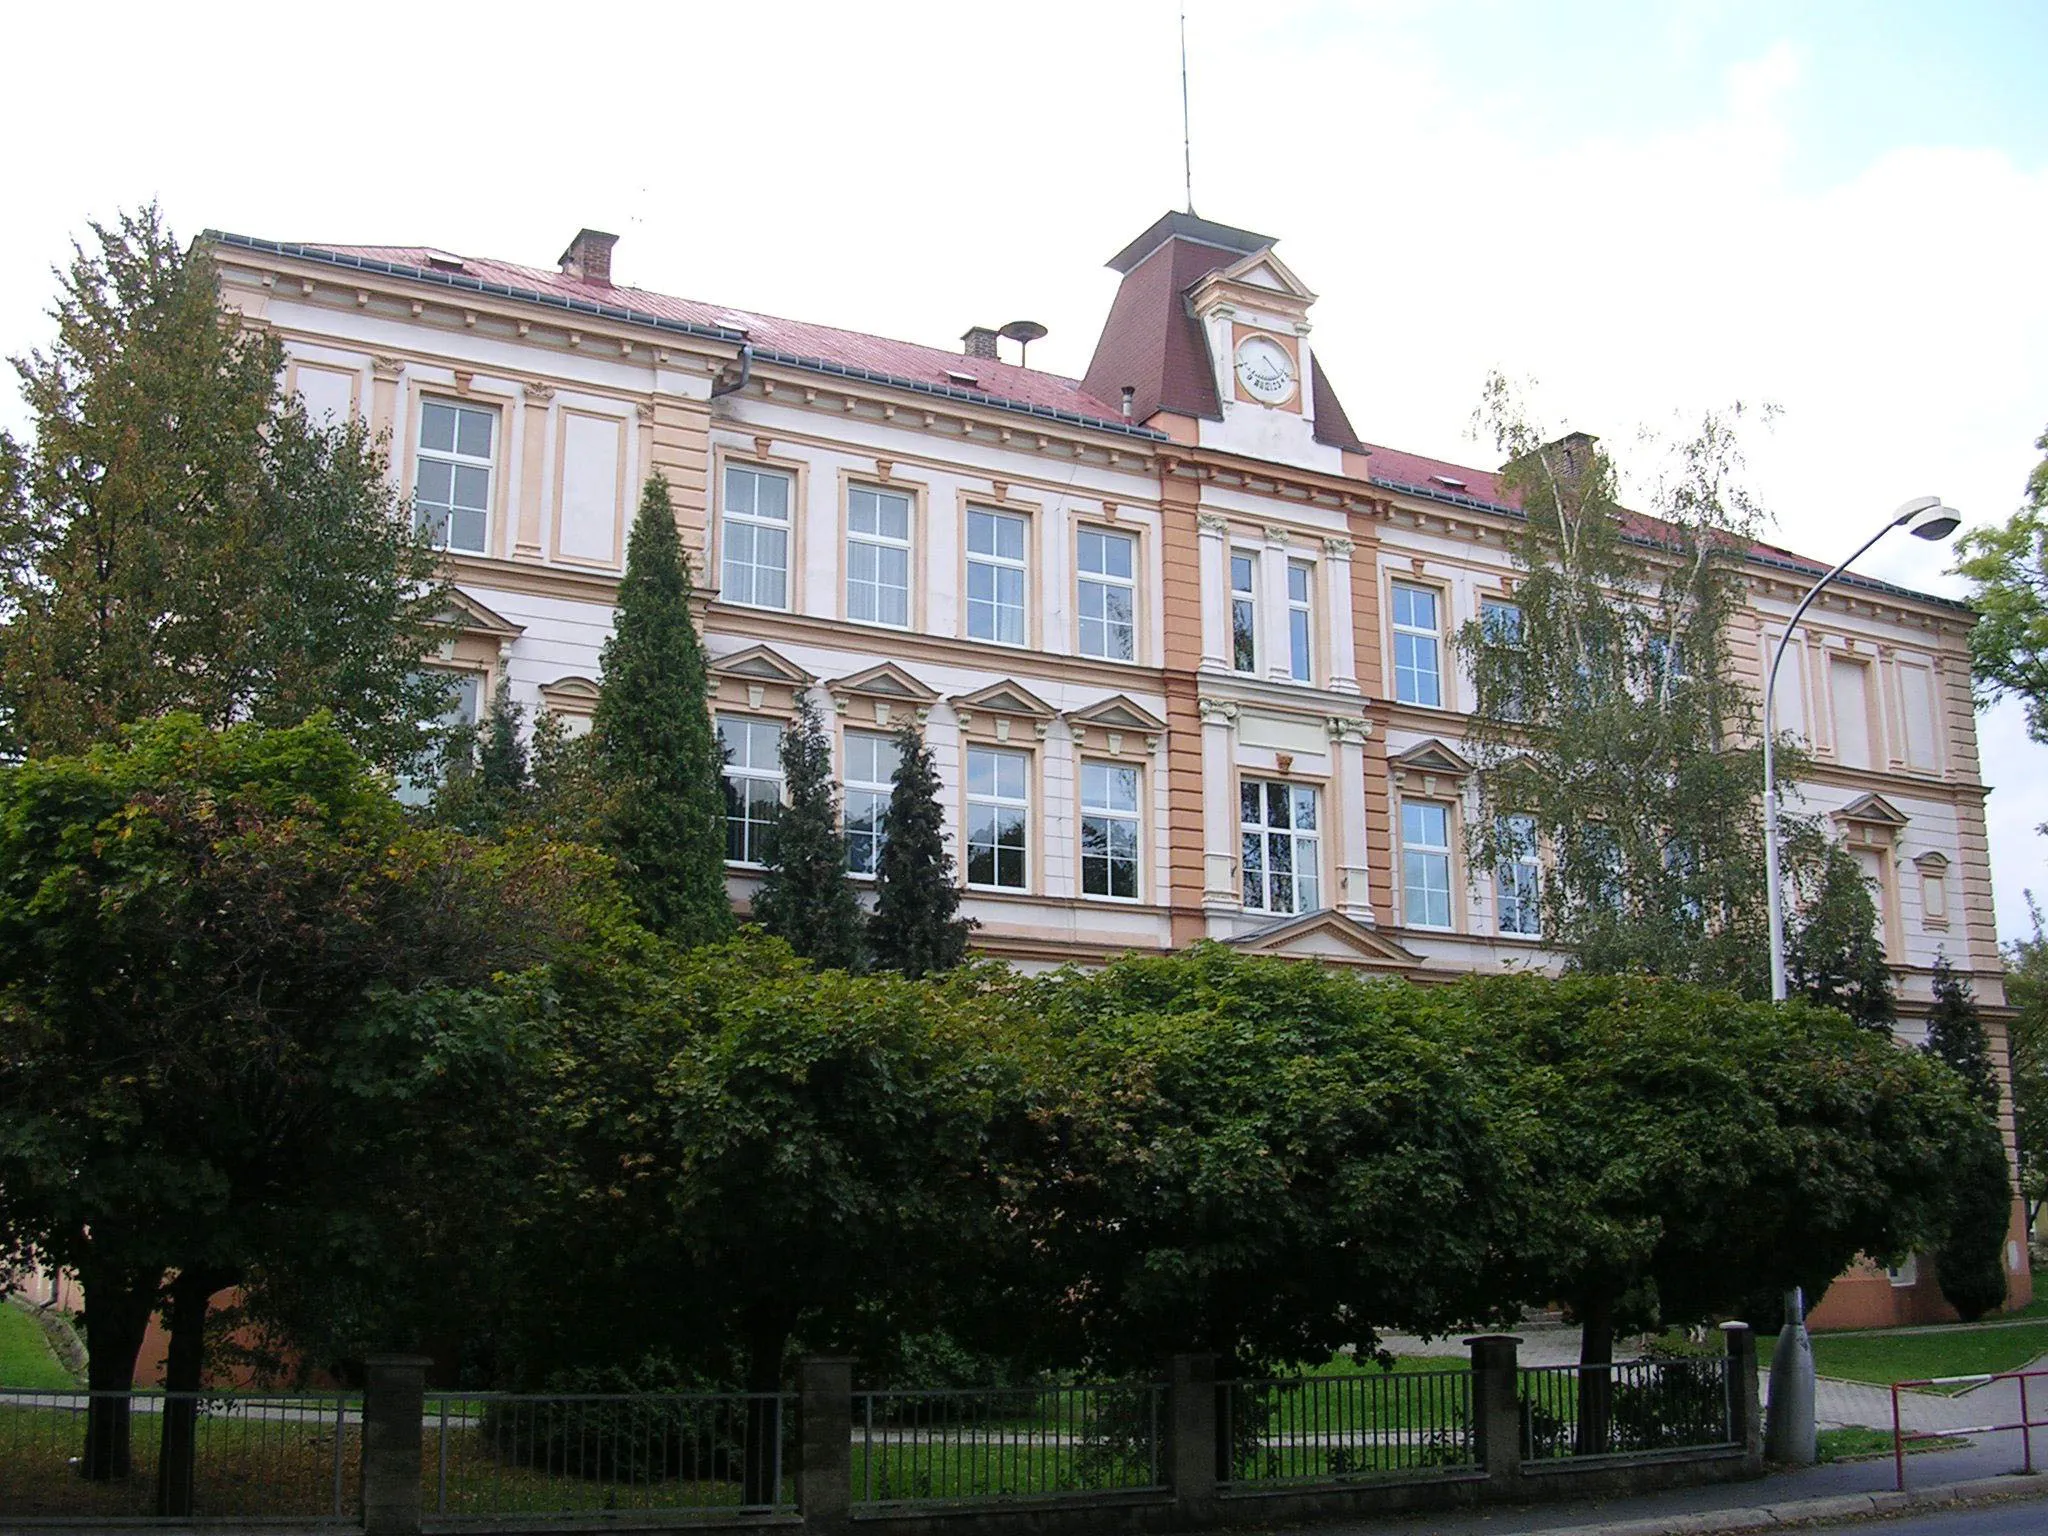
(1858, 1444)
(25, 1357)
(1882, 1359)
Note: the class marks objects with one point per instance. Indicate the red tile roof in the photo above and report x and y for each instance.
(799, 338)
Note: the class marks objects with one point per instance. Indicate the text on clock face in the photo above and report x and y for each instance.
(1265, 369)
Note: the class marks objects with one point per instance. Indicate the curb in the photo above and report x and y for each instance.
(1802, 1512)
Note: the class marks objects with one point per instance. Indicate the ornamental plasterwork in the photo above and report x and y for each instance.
(1337, 549)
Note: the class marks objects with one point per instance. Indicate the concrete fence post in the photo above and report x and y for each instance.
(824, 1486)
(1191, 1405)
(1745, 1408)
(394, 1404)
(1497, 1409)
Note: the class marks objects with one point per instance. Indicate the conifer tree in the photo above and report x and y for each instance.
(806, 897)
(657, 760)
(915, 929)
(1970, 1262)
(1834, 956)
(487, 786)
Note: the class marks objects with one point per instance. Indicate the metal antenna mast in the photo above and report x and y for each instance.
(1187, 144)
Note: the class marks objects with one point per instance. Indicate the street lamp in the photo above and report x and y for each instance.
(1789, 1430)
(1927, 518)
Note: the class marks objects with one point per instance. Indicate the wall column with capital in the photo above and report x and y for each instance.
(1214, 535)
(1220, 887)
(1342, 667)
(1273, 639)
(532, 470)
(1347, 761)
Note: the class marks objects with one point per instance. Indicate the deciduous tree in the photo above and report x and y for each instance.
(177, 535)
(2007, 568)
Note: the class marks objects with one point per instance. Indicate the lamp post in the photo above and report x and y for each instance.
(1927, 518)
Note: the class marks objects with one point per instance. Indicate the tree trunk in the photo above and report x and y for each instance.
(117, 1310)
(1596, 1377)
(767, 1338)
(177, 1458)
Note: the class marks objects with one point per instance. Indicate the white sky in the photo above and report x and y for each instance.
(1841, 209)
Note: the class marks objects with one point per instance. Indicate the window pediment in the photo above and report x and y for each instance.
(1113, 720)
(758, 678)
(1431, 757)
(1329, 936)
(1001, 708)
(1871, 811)
(465, 615)
(887, 691)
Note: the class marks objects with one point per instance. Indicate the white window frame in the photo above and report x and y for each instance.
(1243, 600)
(1519, 880)
(1260, 834)
(1301, 621)
(754, 830)
(1417, 855)
(995, 800)
(1110, 586)
(882, 543)
(1492, 639)
(1415, 633)
(1101, 809)
(440, 520)
(756, 524)
(998, 563)
(465, 708)
(872, 791)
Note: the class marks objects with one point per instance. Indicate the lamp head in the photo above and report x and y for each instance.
(1935, 522)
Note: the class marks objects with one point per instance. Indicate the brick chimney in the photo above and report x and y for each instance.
(590, 257)
(980, 341)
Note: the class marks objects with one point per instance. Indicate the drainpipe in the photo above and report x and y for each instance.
(746, 372)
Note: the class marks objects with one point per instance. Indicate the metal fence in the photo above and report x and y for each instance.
(1362, 1424)
(256, 1455)
(927, 1447)
(498, 1453)
(1628, 1407)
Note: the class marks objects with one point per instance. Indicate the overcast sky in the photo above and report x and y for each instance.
(1836, 207)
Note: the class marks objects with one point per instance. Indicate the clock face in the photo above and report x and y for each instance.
(1265, 370)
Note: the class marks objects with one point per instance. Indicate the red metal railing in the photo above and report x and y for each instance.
(2026, 1424)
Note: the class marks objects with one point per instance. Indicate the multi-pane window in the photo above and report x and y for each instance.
(1244, 612)
(1516, 895)
(1279, 826)
(1108, 566)
(451, 489)
(871, 762)
(1426, 863)
(998, 819)
(461, 704)
(1418, 656)
(1109, 831)
(753, 786)
(754, 537)
(1301, 661)
(878, 557)
(1500, 630)
(997, 571)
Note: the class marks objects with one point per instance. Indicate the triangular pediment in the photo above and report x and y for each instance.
(1332, 937)
(1262, 269)
(1118, 713)
(1432, 756)
(1872, 810)
(1004, 698)
(463, 612)
(887, 681)
(762, 664)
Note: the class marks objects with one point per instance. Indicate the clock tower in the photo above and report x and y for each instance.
(1210, 330)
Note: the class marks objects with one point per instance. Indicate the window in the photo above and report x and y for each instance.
(1870, 864)
(1301, 661)
(753, 787)
(464, 701)
(1281, 856)
(754, 537)
(998, 819)
(1108, 565)
(1426, 863)
(1244, 612)
(1516, 895)
(878, 557)
(871, 762)
(1109, 831)
(996, 571)
(451, 489)
(1418, 673)
(1500, 631)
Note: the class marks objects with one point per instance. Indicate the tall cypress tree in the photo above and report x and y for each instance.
(915, 929)
(487, 785)
(806, 897)
(1970, 1262)
(657, 758)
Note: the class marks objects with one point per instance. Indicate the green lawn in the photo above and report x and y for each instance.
(25, 1358)
(1883, 1358)
(1858, 1444)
